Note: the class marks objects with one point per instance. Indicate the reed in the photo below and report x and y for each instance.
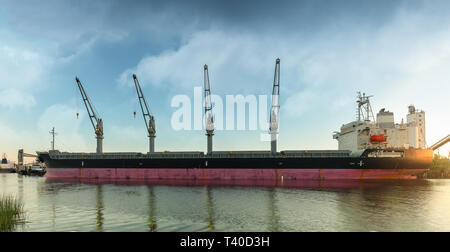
(11, 213)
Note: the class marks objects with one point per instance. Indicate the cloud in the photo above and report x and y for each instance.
(20, 69)
(14, 98)
(37, 137)
(126, 137)
(401, 61)
(233, 59)
(296, 105)
(62, 117)
(12, 140)
(335, 64)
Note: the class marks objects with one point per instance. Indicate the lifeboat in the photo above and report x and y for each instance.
(378, 138)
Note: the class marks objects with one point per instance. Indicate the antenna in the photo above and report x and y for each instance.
(53, 133)
(365, 112)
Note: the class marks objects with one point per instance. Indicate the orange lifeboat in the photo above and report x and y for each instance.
(378, 138)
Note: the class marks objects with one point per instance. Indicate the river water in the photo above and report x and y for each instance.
(420, 205)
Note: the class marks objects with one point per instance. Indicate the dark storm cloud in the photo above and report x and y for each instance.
(70, 27)
(75, 26)
(65, 20)
(250, 16)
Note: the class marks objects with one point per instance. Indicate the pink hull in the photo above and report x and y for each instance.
(269, 175)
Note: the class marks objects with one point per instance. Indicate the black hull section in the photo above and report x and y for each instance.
(240, 163)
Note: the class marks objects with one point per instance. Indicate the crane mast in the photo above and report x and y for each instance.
(365, 112)
(148, 117)
(275, 108)
(209, 120)
(96, 122)
(53, 133)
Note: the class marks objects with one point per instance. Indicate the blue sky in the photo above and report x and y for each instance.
(398, 51)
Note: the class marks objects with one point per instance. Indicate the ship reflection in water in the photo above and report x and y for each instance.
(418, 205)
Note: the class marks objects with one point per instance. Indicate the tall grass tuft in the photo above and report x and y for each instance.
(11, 213)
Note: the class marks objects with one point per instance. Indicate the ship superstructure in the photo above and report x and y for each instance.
(367, 132)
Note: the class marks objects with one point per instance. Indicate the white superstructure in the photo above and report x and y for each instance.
(366, 132)
(416, 124)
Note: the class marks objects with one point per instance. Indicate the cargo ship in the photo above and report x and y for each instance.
(6, 166)
(368, 149)
(286, 165)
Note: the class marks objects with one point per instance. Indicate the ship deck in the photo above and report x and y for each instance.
(196, 155)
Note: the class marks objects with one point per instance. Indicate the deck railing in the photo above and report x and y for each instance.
(189, 155)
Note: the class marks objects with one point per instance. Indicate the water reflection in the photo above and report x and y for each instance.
(326, 206)
(99, 207)
(382, 208)
(303, 184)
(20, 189)
(209, 209)
(53, 210)
(4, 182)
(274, 218)
(151, 207)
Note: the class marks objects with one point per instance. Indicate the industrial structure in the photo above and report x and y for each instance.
(149, 119)
(96, 122)
(209, 118)
(440, 143)
(275, 108)
(20, 158)
(35, 169)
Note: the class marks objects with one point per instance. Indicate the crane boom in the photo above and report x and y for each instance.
(96, 122)
(440, 143)
(209, 120)
(148, 117)
(275, 108)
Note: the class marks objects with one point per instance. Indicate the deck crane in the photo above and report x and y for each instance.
(209, 120)
(96, 122)
(275, 108)
(148, 118)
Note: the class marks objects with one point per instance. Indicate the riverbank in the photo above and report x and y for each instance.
(11, 213)
(440, 168)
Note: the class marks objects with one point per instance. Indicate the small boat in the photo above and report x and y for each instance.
(34, 169)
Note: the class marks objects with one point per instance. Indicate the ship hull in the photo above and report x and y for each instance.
(11, 170)
(234, 169)
(214, 174)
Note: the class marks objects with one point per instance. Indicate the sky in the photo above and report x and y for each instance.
(397, 51)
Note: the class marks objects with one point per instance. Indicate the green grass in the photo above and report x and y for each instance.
(11, 213)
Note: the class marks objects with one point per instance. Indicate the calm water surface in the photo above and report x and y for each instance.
(422, 205)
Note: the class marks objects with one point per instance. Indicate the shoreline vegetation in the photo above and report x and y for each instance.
(440, 168)
(11, 213)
